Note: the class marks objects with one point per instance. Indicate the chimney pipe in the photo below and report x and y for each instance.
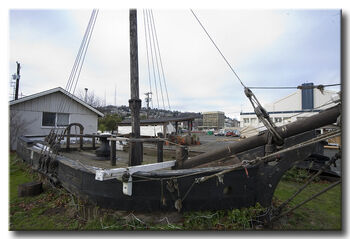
(86, 90)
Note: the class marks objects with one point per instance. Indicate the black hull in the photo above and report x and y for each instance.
(237, 189)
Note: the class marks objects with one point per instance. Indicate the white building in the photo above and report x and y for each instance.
(298, 105)
(37, 114)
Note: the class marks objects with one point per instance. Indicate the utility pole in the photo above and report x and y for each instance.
(18, 76)
(148, 99)
(135, 153)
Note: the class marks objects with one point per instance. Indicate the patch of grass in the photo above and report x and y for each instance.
(46, 211)
(297, 175)
(322, 213)
(236, 219)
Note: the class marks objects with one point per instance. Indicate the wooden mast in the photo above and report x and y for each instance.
(135, 153)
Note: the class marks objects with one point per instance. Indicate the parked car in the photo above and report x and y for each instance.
(236, 133)
(229, 133)
(220, 133)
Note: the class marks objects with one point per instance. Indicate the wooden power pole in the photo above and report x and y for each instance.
(135, 153)
(17, 79)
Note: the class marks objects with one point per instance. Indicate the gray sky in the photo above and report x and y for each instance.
(265, 47)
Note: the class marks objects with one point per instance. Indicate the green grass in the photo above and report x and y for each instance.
(56, 209)
(322, 213)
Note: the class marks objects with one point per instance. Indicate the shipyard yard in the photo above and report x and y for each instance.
(253, 142)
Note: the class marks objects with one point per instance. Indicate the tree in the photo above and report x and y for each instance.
(109, 122)
(18, 127)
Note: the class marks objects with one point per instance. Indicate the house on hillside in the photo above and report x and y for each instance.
(37, 114)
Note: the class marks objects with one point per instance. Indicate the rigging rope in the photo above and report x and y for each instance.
(73, 78)
(151, 49)
(87, 46)
(259, 110)
(325, 104)
(149, 71)
(156, 56)
(211, 39)
(160, 58)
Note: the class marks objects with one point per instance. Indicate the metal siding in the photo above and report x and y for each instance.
(31, 112)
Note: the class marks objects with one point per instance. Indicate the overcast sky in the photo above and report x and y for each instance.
(266, 48)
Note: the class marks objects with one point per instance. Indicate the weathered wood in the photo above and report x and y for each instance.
(135, 151)
(17, 79)
(160, 151)
(181, 156)
(68, 142)
(81, 141)
(30, 189)
(176, 127)
(113, 153)
(164, 130)
(93, 142)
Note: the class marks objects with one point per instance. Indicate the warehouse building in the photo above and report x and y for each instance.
(303, 103)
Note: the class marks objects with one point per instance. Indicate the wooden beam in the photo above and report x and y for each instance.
(160, 151)
(113, 153)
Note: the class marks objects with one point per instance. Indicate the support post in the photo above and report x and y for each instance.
(81, 141)
(176, 127)
(164, 130)
(113, 153)
(135, 153)
(93, 142)
(181, 156)
(68, 141)
(160, 151)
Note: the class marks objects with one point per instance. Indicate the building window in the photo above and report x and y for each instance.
(55, 119)
(278, 119)
(62, 119)
(253, 120)
(246, 120)
(49, 119)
